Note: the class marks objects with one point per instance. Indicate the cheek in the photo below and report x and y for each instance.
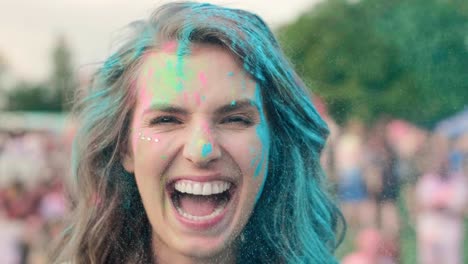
(151, 150)
(247, 155)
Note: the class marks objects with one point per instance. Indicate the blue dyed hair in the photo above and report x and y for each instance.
(294, 221)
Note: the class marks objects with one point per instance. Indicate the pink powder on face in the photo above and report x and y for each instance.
(170, 47)
(197, 98)
(205, 128)
(202, 78)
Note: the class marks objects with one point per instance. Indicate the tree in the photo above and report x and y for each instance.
(32, 97)
(55, 95)
(63, 80)
(405, 58)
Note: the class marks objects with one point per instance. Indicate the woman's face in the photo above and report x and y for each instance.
(198, 147)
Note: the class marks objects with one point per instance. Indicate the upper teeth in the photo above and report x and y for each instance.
(202, 188)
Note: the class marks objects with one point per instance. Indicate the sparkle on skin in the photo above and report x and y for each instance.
(142, 137)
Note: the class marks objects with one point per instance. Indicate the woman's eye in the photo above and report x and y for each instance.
(245, 121)
(163, 120)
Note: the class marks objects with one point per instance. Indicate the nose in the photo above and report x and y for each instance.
(201, 147)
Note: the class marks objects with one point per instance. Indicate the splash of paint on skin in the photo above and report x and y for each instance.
(203, 98)
(205, 145)
(202, 78)
(163, 157)
(163, 74)
(254, 159)
(170, 47)
(179, 86)
(230, 74)
(244, 84)
(197, 98)
(206, 150)
(264, 136)
(233, 102)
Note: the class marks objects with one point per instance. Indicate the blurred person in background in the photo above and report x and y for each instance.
(31, 197)
(383, 186)
(11, 230)
(349, 162)
(369, 245)
(441, 195)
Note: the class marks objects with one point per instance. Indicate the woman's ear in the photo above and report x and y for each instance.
(127, 162)
(127, 159)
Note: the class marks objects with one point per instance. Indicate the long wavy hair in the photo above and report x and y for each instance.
(295, 219)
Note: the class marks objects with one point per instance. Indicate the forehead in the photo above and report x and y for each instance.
(209, 71)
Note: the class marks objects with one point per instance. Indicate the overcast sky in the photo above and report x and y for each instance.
(29, 28)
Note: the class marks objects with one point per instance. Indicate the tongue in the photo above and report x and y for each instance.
(198, 205)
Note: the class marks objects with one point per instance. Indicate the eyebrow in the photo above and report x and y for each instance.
(233, 106)
(167, 108)
(237, 105)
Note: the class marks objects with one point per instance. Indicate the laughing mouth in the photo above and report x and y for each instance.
(200, 201)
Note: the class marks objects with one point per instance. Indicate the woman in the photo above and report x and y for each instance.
(198, 144)
(441, 196)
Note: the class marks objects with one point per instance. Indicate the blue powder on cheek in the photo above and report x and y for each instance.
(262, 133)
(264, 136)
(206, 150)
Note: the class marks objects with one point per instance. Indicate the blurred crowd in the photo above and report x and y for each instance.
(32, 203)
(375, 170)
(393, 165)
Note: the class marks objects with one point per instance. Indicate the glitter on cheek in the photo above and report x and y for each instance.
(145, 138)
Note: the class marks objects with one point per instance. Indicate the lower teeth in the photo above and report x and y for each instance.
(216, 212)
